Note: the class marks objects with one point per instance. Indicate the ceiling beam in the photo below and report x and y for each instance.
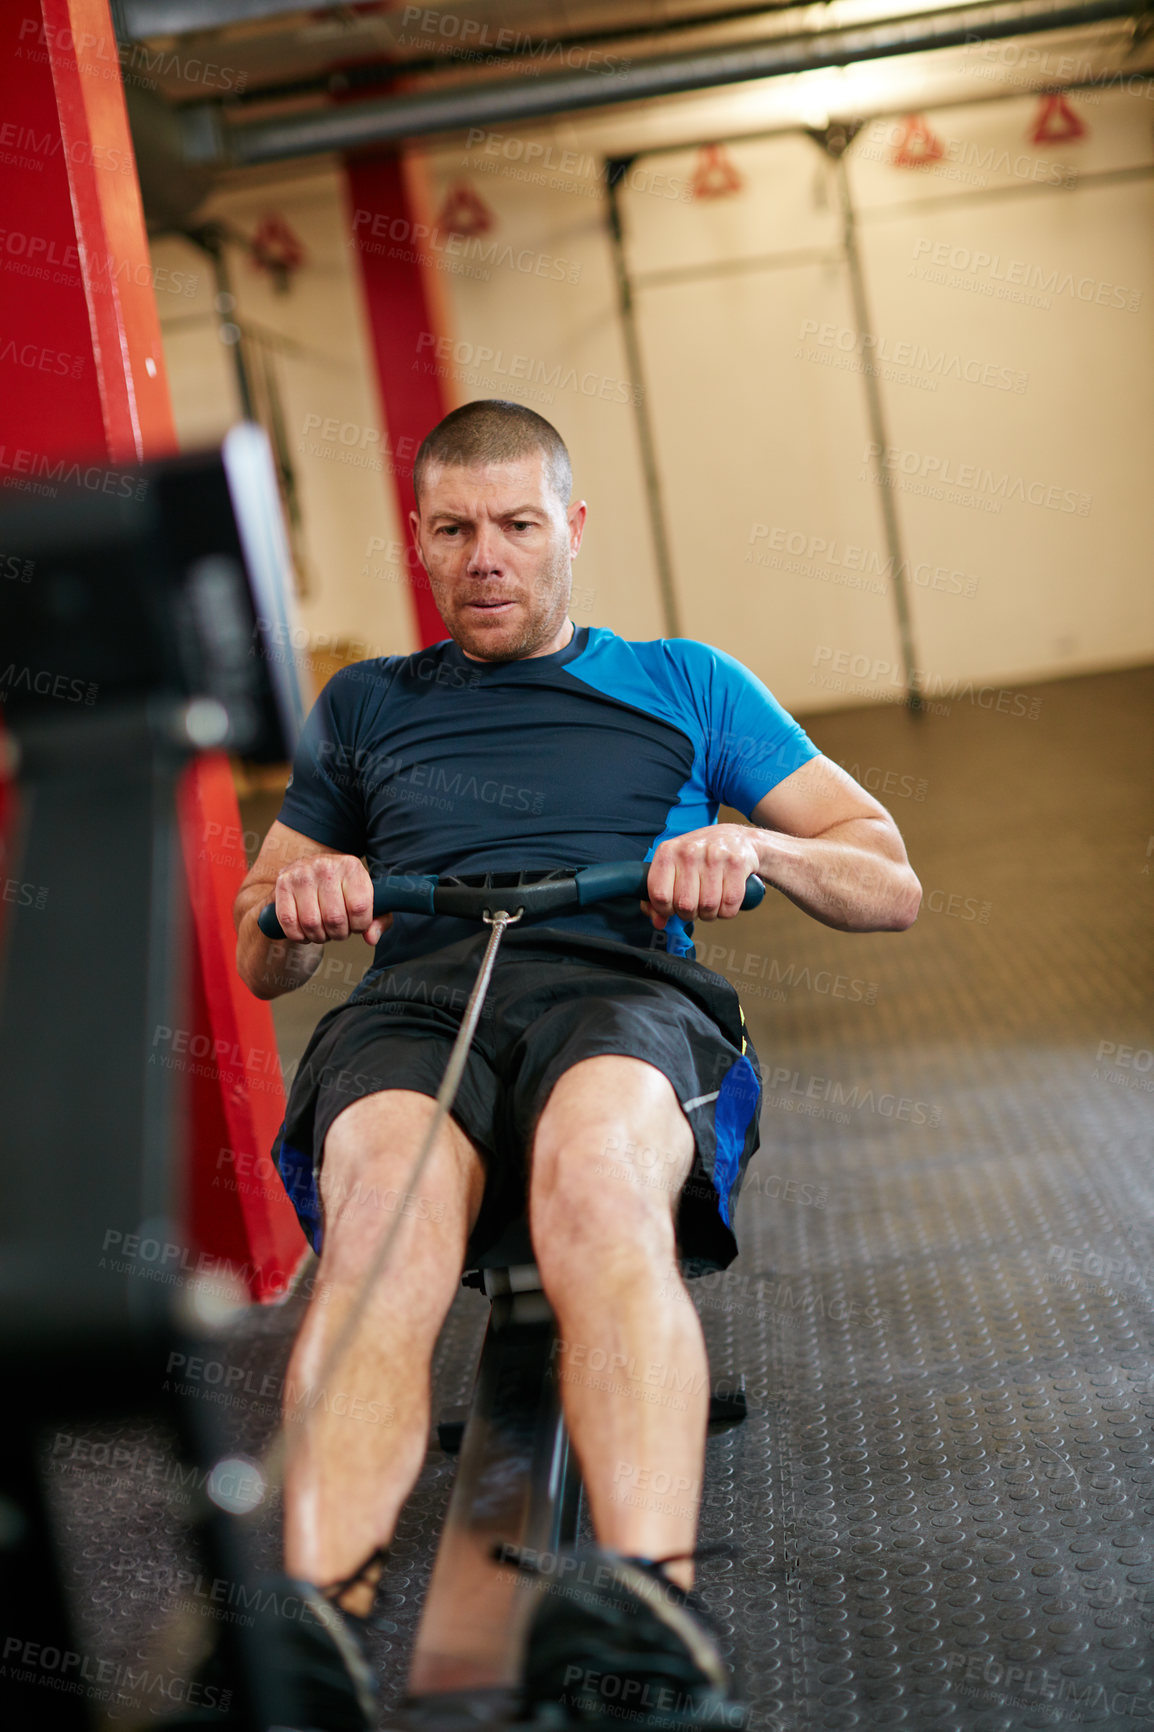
(209, 138)
(138, 20)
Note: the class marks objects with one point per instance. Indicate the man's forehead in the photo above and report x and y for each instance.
(457, 486)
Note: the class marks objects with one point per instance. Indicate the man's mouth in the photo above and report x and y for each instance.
(491, 606)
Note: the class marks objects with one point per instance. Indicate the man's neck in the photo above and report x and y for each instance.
(564, 637)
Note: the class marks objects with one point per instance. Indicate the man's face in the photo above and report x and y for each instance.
(497, 545)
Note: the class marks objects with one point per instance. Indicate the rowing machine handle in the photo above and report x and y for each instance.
(417, 894)
(630, 878)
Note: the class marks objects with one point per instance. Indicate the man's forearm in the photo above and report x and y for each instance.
(855, 877)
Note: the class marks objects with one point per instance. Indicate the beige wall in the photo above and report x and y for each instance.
(753, 374)
(1017, 434)
(353, 585)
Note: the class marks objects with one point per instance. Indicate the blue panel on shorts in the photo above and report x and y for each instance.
(296, 1171)
(736, 1104)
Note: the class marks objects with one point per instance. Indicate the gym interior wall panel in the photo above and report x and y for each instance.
(777, 557)
(205, 400)
(786, 203)
(202, 382)
(182, 280)
(988, 146)
(1017, 374)
(774, 559)
(314, 338)
(532, 316)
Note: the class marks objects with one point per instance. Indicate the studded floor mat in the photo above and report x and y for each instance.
(943, 1494)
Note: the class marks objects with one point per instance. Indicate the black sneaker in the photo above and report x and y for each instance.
(320, 1662)
(612, 1638)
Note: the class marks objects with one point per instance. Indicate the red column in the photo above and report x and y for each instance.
(82, 376)
(389, 239)
(236, 1208)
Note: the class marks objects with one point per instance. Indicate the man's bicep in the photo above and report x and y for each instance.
(815, 798)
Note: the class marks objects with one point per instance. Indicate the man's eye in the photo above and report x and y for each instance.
(522, 526)
(448, 529)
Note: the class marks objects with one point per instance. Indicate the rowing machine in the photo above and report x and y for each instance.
(517, 1479)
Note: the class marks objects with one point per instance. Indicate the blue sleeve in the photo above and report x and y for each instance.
(753, 742)
(323, 798)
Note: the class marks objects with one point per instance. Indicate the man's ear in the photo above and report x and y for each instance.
(576, 515)
(415, 527)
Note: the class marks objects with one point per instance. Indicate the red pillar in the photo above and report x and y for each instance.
(74, 232)
(387, 225)
(82, 376)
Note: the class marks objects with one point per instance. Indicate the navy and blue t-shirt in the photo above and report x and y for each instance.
(434, 763)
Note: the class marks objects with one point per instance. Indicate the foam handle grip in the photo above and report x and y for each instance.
(629, 878)
(754, 893)
(411, 893)
(268, 922)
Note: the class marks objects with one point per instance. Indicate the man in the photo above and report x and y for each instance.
(522, 741)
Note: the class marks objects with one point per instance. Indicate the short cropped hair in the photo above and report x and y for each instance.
(492, 430)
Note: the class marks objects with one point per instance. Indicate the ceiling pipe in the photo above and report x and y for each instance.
(209, 139)
(137, 20)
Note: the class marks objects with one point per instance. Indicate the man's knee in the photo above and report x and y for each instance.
(612, 1136)
(366, 1176)
(606, 1196)
(610, 1095)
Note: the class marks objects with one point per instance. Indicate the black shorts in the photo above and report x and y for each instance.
(555, 997)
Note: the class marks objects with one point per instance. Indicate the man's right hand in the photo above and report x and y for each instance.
(327, 896)
(319, 893)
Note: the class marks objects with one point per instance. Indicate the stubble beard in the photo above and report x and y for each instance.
(547, 610)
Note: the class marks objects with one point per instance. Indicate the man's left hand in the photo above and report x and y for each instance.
(702, 875)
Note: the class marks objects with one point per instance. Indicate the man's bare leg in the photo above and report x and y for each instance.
(611, 1152)
(356, 1447)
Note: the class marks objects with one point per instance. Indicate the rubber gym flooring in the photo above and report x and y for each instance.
(943, 1494)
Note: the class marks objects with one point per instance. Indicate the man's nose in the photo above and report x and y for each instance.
(485, 556)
